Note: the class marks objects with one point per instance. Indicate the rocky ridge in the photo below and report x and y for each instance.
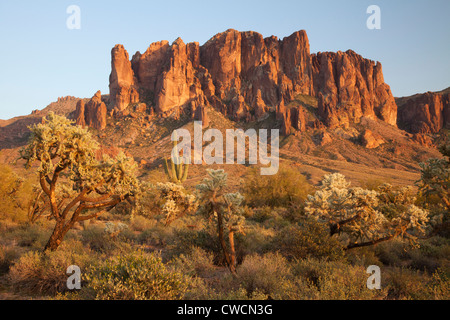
(245, 76)
(424, 113)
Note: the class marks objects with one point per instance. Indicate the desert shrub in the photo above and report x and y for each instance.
(269, 276)
(238, 294)
(133, 276)
(33, 236)
(184, 239)
(422, 262)
(373, 183)
(140, 223)
(275, 218)
(7, 225)
(157, 235)
(365, 256)
(392, 253)
(197, 262)
(431, 255)
(257, 239)
(44, 273)
(16, 193)
(262, 273)
(285, 188)
(8, 255)
(103, 239)
(262, 214)
(408, 284)
(308, 238)
(439, 285)
(435, 178)
(335, 280)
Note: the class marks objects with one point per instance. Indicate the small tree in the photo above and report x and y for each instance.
(435, 176)
(366, 217)
(224, 209)
(434, 189)
(77, 185)
(15, 193)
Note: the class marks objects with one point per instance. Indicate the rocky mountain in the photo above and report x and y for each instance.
(334, 110)
(92, 113)
(245, 76)
(14, 131)
(425, 113)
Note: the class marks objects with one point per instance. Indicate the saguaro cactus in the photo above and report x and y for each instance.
(176, 169)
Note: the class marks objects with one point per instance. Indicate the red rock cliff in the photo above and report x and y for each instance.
(425, 113)
(244, 75)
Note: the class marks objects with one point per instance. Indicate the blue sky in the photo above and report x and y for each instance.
(41, 59)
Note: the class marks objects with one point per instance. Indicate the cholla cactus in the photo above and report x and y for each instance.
(367, 217)
(177, 201)
(175, 167)
(223, 209)
(435, 176)
(434, 188)
(76, 185)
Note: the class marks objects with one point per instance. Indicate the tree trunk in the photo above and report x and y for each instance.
(233, 251)
(223, 244)
(57, 236)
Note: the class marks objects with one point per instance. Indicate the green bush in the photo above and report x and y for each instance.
(262, 272)
(184, 239)
(257, 239)
(239, 294)
(15, 193)
(269, 275)
(32, 236)
(8, 255)
(97, 238)
(432, 254)
(335, 280)
(392, 253)
(134, 276)
(287, 187)
(307, 239)
(157, 235)
(140, 223)
(45, 273)
(197, 262)
(364, 256)
(407, 284)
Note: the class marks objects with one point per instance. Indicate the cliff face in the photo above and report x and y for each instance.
(425, 113)
(349, 87)
(244, 75)
(92, 113)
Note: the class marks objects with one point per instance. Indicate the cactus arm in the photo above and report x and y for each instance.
(185, 173)
(166, 168)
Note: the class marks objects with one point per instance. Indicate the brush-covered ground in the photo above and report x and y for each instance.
(282, 254)
(132, 254)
